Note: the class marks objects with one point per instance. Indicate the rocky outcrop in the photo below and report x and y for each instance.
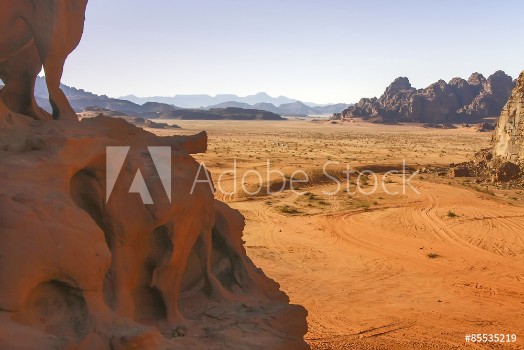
(110, 238)
(485, 127)
(505, 161)
(35, 34)
(441, 102)
(509, 134)
(494, 93)
(78, 270)
(155, 125)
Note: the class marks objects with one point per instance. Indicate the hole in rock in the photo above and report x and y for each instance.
(56, 308)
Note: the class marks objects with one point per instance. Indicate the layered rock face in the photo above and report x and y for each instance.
(509, 134)
(87, 265)
(456, 101)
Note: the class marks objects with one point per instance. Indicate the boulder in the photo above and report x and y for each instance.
(485, 127)
(460, 171)
(507, 171)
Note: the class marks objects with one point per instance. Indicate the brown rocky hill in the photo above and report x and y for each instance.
(441, 102)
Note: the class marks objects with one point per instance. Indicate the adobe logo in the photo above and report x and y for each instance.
(115, 159)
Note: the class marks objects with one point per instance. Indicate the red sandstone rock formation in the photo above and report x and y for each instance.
(82, 271)
(36, 33)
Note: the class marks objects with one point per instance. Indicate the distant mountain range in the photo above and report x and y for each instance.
(133, 105)
(281, 105)
(203, 101)
(295, 108)
(85, 101)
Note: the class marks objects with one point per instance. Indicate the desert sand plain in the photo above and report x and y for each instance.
(377, 271)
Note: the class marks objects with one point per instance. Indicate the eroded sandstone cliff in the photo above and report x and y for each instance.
(509, 134)
(77, 270)
(81, 269)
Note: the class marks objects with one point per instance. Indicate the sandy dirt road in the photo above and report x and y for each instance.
(398, 276)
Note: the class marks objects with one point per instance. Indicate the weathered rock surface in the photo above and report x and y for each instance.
(83, 267)
(34, 34)
(78, 270)
(441, 102)
(509, 134)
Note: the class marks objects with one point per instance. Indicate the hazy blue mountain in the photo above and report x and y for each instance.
(331, 109)
(290, 109)
(296, 108)
(199, 101)
(156, 107)
(267, 107)
(231, 104)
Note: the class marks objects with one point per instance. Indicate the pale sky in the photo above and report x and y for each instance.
(314, 50)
